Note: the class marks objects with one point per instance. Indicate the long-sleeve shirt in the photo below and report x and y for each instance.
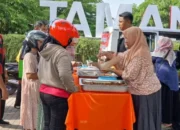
(140, 77)
(167, 74)
(55, 68)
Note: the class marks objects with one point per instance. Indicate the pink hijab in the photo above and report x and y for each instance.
(165, 45)
(137, 45)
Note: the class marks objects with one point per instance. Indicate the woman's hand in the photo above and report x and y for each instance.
(109, 54)
(75, 63)
(118, 72)
(113, 70)
(107, 70)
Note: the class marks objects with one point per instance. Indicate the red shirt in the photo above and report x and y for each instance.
(1, 55)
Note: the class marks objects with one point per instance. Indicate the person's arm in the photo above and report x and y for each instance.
(6, 76)
(32, 76)
(65, 73)
(3, 89)
(2, 85)
(116, 71)
(109, 55)
(115, 61)
(76, 63)
(30, 67)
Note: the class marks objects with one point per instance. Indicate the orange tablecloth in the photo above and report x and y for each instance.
(100, 111)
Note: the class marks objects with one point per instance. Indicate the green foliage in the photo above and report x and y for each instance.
(87, 49)
(12, 43)
(89, 7)
(18, 15)
(176, 45)
(164, 10)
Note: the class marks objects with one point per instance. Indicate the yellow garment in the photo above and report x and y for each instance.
(18, 56)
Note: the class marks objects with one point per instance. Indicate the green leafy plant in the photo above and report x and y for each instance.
(12, 43)
(176, 45)
(17, 16)
(87, 49)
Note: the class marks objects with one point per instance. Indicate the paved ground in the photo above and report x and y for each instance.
(12, 115)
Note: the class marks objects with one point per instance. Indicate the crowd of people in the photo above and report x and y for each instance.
(47, 82)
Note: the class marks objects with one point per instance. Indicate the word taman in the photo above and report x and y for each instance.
(103, 12)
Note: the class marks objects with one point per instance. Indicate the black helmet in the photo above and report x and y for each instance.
(33, 37)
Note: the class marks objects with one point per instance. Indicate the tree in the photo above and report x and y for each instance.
(89, 7)
(18, 15)
(164, 9)
(5, 18)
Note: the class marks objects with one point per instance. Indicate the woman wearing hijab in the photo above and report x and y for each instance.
(164, 61)
(30, 82)
(55, 74)
(136, 68)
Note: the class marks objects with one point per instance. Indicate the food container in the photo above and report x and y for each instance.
(104, 85)
(92, 71)
(104, 88)
(102, 82)
(88, 71)
(107, 78)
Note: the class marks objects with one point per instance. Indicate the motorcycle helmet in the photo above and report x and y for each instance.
(33, 37)
(63, 32)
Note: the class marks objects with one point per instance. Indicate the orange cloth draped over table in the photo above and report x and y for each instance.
(76, 80)
(100, 111)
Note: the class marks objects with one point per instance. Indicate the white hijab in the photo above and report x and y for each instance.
(165, 45)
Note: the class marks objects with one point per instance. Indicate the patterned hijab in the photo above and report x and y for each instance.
(165, 46)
